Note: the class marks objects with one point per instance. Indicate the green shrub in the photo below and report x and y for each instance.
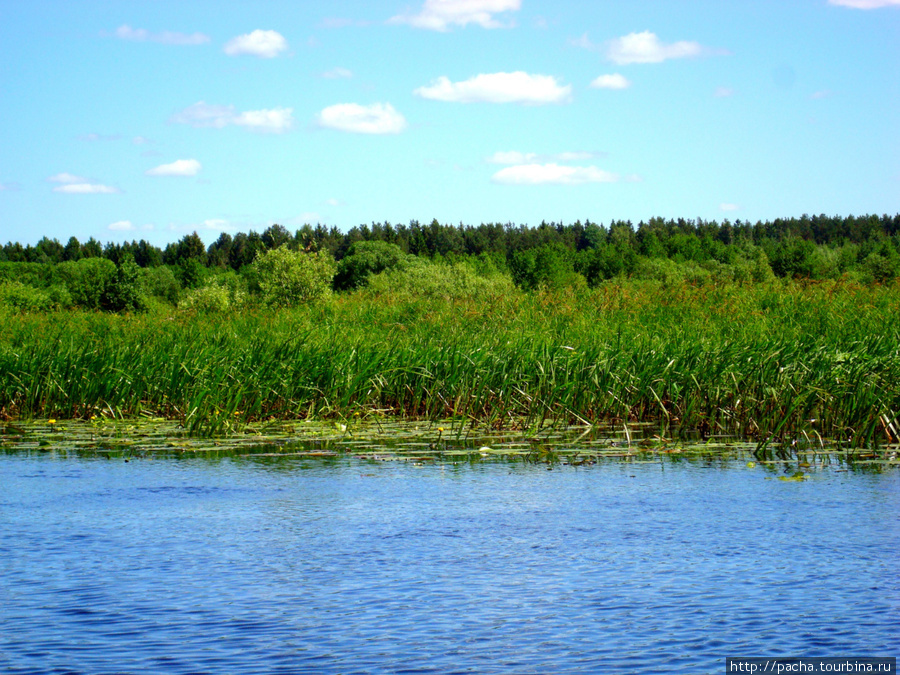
(288, 278)
(222, 293)
(364, 259)
(548, 267)
(210, 299)
(426, 279)
(670, 272)
(160, 283)
(123, 294)
(22, 298)
(88, 280)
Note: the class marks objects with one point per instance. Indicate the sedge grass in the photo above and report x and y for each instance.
(767, 361)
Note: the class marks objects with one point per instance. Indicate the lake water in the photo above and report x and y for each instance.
(299, 565)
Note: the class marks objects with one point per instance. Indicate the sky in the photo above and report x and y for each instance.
(152, 119)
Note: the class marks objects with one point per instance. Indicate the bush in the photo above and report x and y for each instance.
(21, 298)
(549, 266)
(670, 272)
(123, 294)
(364, 259)
(425, 279)
(159, 282)
(88, 280)
(210, 299)
(287, 277)
(221, 293)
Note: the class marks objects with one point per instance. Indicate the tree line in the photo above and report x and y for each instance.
(96, 276)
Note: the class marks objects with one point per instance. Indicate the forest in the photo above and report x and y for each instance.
(137, 275)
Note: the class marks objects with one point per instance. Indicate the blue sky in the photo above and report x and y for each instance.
(126, 120)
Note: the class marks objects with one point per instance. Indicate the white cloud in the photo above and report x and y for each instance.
(180, 167)
(86, 189)
(511, 157)
(79, 185)
(824, 93)
(442, 14)
(166, 37)
(67, 178)
(209, 225)
(140, 140)
(517, 87)
(729, 207)
(272, 121)
(216, 225)
(537, 174)
(337, 73)
(201, 114)
(865, 4)
(614, 81)
(645, 47)
(333, 202)
(122, 226)
(723, 92)
(515, 157)
(377, 118)
(266, 44)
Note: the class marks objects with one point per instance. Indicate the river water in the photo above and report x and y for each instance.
(298, 565)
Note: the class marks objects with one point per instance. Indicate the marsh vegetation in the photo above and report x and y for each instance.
(533, 336)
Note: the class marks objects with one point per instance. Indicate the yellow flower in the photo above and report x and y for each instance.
(51, 421)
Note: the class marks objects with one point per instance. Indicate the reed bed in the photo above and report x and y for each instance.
(818, 362)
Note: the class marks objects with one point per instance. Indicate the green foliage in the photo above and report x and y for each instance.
(191, 273)
(287, 278)
(754, 360)
(436, 280)
(670, 272)
(222, 293)
(38, 275)
(209, 299)
(365, 258)
(882, 265)
(159, 283)
(88, 281)
(20, 297)
(123, 294)
(550, 266)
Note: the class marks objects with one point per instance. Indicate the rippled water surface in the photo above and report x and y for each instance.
(343, 565)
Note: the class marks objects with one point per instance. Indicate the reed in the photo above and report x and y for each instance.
(775, 361)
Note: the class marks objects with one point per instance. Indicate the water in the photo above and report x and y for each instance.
(297, 565)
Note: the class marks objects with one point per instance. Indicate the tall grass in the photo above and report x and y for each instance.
(779, 360)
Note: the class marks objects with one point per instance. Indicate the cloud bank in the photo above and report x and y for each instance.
(440, 15)
(517, 87)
